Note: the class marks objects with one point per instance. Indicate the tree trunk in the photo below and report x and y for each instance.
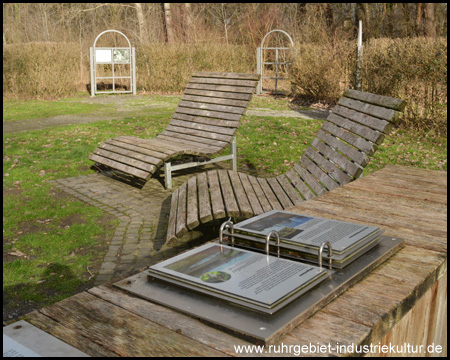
(418, 22)
(143, 37)
(167, 22)
(428, 19)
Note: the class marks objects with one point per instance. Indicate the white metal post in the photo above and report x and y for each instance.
(234, 154)
(168, 175)
(133, 64)
(91, 59)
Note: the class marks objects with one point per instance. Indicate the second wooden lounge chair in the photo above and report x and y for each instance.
(203, 124)
(337, 155)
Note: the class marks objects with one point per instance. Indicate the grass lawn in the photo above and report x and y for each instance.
(52, 243)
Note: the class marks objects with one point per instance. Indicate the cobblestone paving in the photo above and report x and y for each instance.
(139, 239)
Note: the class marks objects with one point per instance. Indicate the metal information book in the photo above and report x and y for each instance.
(305, 234)
(254, 280)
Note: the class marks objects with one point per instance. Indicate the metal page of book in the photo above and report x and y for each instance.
(250, 324)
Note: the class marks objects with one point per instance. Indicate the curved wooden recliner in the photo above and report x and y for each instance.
(203, 124)
(337, 155)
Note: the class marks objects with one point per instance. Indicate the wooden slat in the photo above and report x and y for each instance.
(163, 147)
(138, 336)
(140, 149)
(171, 227)
(211, 107)
(299, 184)
(119, 166)
(192, 218)
(130, 153)
(241, 196)
(367, 133)
(181, 227)
(225, 88)
(353, 154)
(191, 147)
(217, 204)
(279, 192)
(207, 121)
(204, 204)
(218, 81)
(374, 110)
(316, 163)
(208, 113)
(289, 189)
(215, 100)
(265, 204)
(341, 161)
(219, 94)
(375, 99)
(199, 133)
(203, 127)
(364, 119)
(356, 141)
(274, 203)
(203, 142)
(225, 75)
(309, 180)
(229, 199)
(251, 195)
(125, 160)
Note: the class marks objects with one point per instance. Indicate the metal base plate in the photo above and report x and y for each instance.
(252, 325)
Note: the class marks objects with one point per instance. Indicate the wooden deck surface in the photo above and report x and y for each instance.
(402, 301)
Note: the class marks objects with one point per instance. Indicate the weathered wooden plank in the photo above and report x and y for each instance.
(309, 180)
(171, 227)
(206, 121)
(224, 88)
(217, 204)
(199, 133)
(353, 154)
(440, 177)
(212, 107)
(260, 194)
(333, 156)
(314, 169)
(191, 147)
(299, 184)
(218, 81)
(385, 101)
(374, 110)
(229, 199)
(367, 133)
(203, 142)
(192, 218)
(125, 160)
(215, 100)
(279, 193)
(274, 203)
(204, 204)
(181, 227)
(140, 149)
(356, 141)
(330, 168)
(208, 113)
(121, 331)
(219, 94)
(289, 189)
(173, 320)
(226, 75)
(328, 331)
(119, 166)
(151, 144)
(204, 127)
(69, 335)
(131, 153)
(367, 120)
(250, 192)
(240, 195)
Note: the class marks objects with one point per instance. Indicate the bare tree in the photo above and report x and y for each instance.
(167, 22)
(429, 26)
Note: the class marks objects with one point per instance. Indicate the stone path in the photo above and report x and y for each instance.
(139, 239)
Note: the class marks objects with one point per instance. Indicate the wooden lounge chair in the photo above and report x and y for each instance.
(337, 155)
(203, 124)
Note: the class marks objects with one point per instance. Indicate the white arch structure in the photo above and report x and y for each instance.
(112, 56)
(260, 57)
